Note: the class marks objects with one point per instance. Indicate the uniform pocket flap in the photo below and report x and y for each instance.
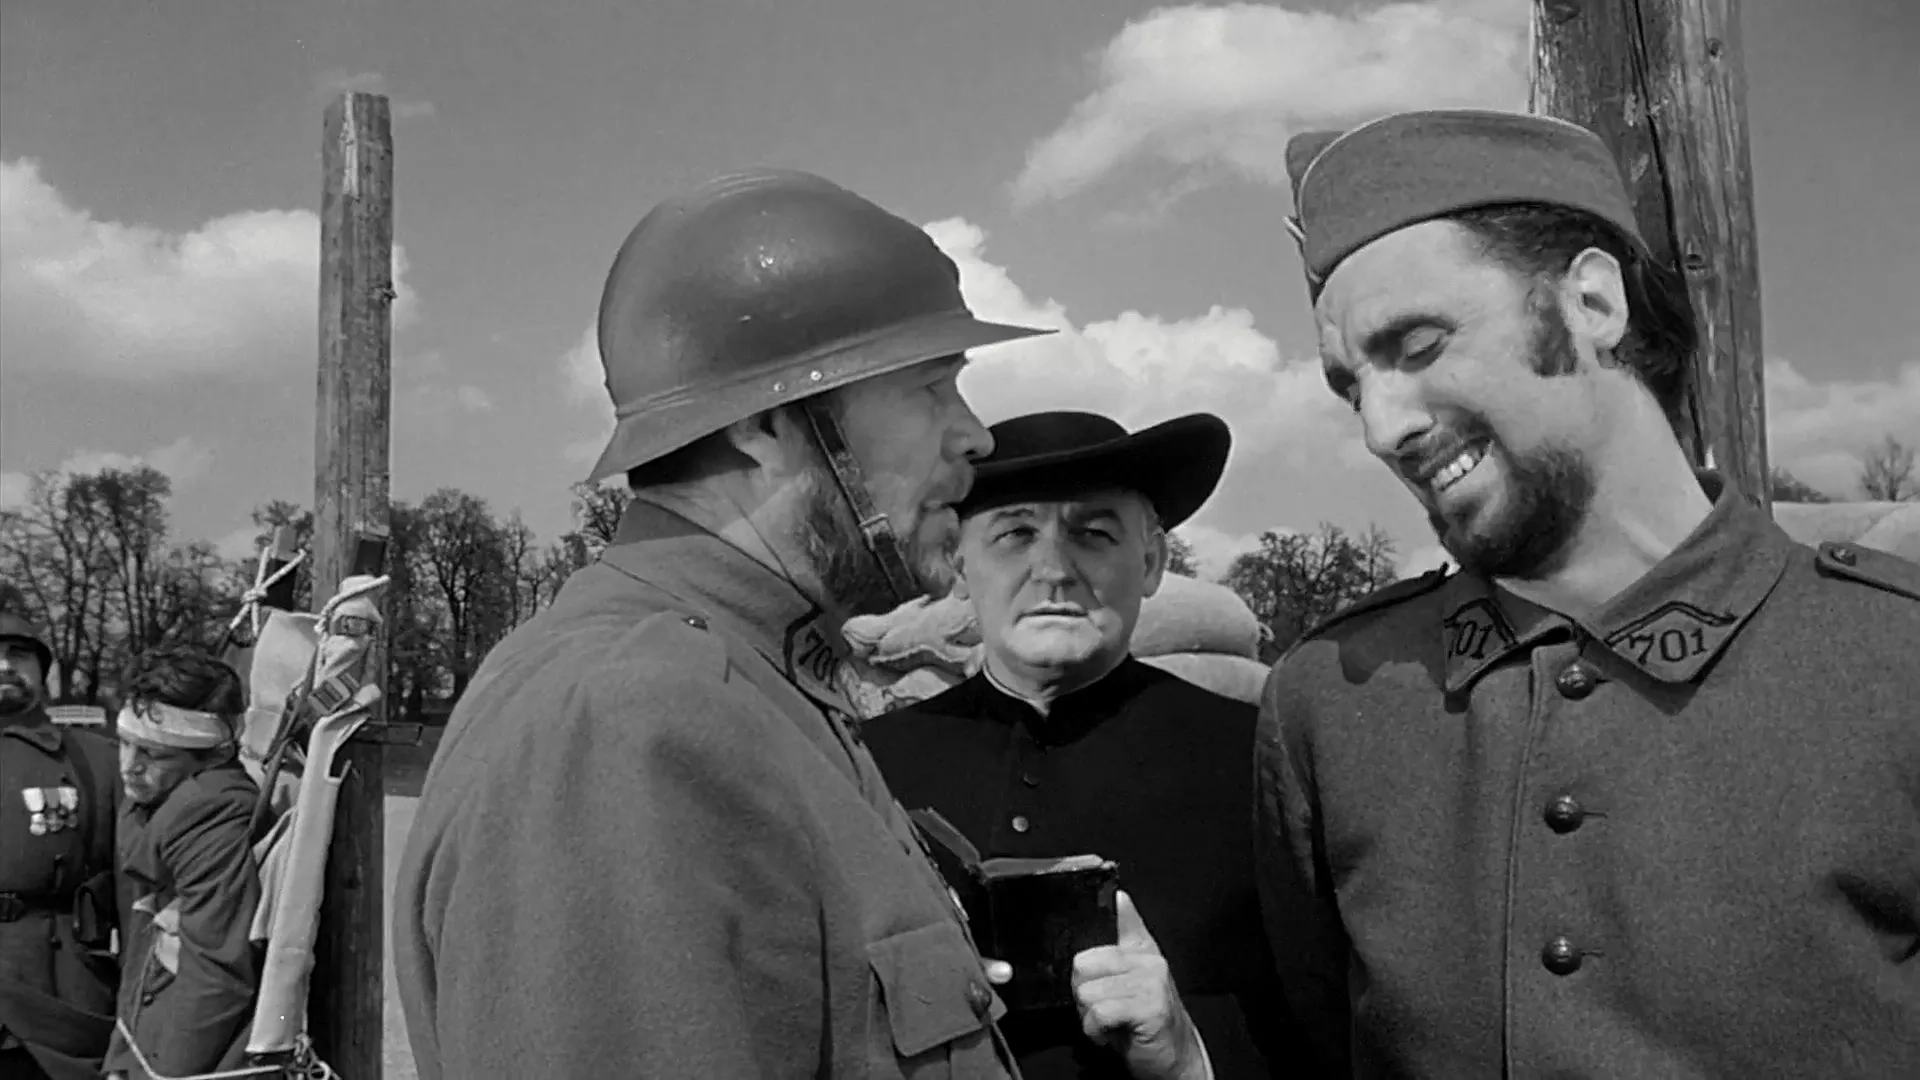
(931, 986)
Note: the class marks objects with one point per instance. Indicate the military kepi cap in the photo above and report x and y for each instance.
(1354, 187)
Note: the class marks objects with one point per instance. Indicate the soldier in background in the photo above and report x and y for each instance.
(1066, 743)
(57, 809)
(187, 857)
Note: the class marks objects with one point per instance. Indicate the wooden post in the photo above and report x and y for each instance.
(281, 594)
(1662, 82)
(349, 502)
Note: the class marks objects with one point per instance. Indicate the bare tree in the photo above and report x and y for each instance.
(462, 552)
(596, 514)
(89, 553)
(1788, 488)
(1180, 556)
(1886, 472)
(1293, 581)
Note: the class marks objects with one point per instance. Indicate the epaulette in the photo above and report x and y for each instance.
(1382, 597)
(1869, 567)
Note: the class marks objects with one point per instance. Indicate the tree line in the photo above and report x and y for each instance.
(96, 558)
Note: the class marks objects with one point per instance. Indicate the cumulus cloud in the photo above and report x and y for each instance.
(184, 460)
(1818, 430)
(372, 82)
(472, 399)
(109, 298)
(1298, 458)
(586, 388)
(1218, 90)
(1295, 445)
(14, 489)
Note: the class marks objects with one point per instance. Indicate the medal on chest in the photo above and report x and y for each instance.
(51, 810)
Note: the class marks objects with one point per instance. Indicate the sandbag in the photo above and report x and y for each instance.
(1189, 615)
(1237, 677)
(1892, 527)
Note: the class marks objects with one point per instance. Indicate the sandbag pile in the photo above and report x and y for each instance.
(1892, 527)
(1198, 630)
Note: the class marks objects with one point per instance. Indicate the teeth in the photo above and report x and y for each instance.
(1455, 470)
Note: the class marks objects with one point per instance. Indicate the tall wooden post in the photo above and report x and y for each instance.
(1662, 82)
(349, 501)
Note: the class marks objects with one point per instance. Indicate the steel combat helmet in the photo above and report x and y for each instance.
(766, 288)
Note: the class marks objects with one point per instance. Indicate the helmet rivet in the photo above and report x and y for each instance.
(816, 376)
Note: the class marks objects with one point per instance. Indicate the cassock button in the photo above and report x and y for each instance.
(1021, 824)
(979, 999)
(1029, 779)
(1576, 682)
(1565, 814)
(1561, 956)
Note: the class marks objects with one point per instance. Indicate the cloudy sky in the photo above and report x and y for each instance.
(1104, 166)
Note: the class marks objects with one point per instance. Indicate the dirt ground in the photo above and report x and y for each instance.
(405, 768)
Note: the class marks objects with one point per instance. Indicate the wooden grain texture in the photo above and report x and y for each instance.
(1662, 82)
(351, 448)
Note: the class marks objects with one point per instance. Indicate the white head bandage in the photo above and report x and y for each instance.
(160, 724)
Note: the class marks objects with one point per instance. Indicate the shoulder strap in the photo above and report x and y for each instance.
(1867, 566)
(1383, 597)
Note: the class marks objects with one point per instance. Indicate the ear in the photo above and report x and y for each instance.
(957, 559)
(773, 440)
(1157, 555)
(1594, 295)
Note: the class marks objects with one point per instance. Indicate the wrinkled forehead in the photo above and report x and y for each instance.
(154, 752)
(1122, 505)
(1434, 270)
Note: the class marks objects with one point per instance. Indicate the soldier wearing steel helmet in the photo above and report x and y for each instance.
(57, 808)
(650, 844)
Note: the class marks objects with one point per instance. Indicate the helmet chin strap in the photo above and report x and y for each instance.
(875, 529)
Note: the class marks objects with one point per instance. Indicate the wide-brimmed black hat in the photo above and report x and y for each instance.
(1056, 455)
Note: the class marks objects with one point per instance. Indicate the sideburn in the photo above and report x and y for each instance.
(1550, 339)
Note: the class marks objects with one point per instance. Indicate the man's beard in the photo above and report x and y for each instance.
(1530, 533)
(849, 573)
(16, 697)
(1548, 490)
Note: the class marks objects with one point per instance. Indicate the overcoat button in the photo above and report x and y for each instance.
(979, 999)
(696, 622)
(1020, 823)
(1565, 814)
(1575, 682)
(1561, 956)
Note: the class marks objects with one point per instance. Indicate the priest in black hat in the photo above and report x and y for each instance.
(1064, 744)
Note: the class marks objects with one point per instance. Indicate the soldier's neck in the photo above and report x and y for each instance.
(763, 533)
(1646, 503)
(30, 716)
(1040, 686)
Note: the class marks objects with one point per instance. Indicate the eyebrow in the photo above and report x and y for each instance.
(1082, 517)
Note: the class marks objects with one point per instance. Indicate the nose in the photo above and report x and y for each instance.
(969, 438)
(1051, 563)
(1391, 413)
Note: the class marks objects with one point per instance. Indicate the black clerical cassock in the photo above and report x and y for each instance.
(1142, 768)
